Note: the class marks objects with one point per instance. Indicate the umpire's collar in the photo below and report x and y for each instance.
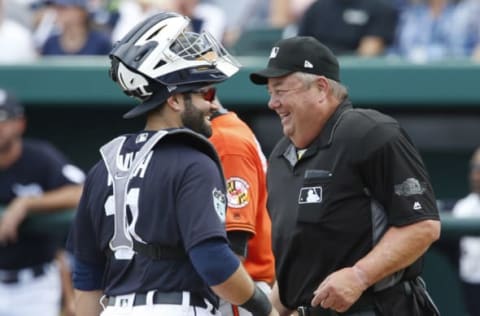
(324, 139)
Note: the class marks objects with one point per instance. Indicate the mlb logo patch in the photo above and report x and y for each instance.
(310, 195)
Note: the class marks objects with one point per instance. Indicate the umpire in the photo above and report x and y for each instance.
(351, 203)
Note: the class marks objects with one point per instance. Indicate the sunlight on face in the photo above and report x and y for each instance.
(294, 102)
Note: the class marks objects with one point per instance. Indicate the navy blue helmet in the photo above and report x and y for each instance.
(159, 57)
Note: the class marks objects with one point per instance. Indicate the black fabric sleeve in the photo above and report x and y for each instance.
(239, 242)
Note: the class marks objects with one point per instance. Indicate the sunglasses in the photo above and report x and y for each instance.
(208, 94)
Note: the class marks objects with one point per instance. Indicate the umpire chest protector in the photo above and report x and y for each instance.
(122, 244)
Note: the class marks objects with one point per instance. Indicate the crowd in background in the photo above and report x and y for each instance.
(416, 30)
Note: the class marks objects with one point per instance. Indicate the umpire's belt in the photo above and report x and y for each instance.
(167, 298)
(16, 276)
(363, 304)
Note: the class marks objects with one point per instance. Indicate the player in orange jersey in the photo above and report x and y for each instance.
(247, 222)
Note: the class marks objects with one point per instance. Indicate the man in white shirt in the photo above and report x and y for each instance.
(469, 245)
(15, 40)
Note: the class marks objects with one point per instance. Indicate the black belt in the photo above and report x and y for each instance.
(363, 304)
(13, 276)
(168, 298)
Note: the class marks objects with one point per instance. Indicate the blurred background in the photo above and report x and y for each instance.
(417, 60)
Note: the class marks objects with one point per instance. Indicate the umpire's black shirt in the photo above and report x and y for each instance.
(330, 207)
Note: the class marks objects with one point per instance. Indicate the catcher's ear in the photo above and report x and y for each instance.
(173, 102)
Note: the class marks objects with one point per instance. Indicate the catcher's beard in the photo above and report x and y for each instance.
(194, 119)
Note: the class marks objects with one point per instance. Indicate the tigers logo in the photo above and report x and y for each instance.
(237, 192)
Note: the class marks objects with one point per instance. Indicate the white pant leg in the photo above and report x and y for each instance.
(226, 309)
(32, 296)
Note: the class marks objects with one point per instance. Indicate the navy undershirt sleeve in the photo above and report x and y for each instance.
(239, 242)
(87, 276)
(214, 260)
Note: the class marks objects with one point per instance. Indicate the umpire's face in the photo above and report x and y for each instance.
(198, 108)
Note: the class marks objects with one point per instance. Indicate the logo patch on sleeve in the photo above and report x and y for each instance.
(409, 187)
(237, 192)
(219, 203)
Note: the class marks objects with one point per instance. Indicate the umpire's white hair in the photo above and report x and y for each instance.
(337, 89)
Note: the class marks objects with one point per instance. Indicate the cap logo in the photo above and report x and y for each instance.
(274, 52)
(307, 64)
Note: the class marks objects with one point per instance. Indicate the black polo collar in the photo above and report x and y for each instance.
(323, 140)
(326, 136)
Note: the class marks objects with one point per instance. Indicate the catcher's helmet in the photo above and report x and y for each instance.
(159, 57)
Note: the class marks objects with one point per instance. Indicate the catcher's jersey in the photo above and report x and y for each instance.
(244, 166)
(175, 198)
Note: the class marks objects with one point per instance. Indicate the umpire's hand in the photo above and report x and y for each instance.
(339, 290)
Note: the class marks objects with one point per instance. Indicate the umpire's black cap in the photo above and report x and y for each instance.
(299, 53)
(9, 106)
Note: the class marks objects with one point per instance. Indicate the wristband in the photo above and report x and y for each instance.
(258, 304)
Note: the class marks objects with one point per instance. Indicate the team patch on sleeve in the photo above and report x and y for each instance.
(219, 203)
(237, 192)
(410, 186)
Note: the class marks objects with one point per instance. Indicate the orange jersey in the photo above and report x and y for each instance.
(244, 166)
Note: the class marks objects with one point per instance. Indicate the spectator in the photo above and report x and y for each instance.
(357, 27)
(242, 15)
(35, 178)
(19, 10)
(247, 222)
(424, 32)
(466, 29)
(204, 16)
(16, 40)
(75, 36)
(131, 12)
(286, 14)
(469, 207)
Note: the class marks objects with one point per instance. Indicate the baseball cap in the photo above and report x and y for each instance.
(299, 53)
(9, 106)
